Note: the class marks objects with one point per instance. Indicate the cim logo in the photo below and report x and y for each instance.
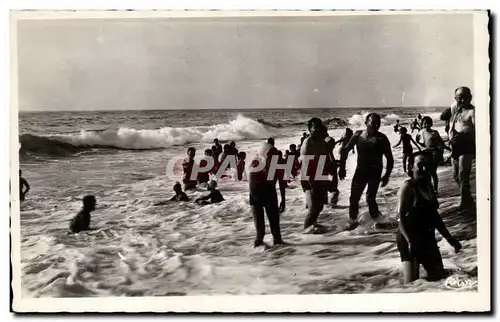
(455, 283)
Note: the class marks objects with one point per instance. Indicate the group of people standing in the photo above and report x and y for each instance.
(418, 204)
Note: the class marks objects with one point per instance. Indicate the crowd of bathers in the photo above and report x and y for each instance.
(418, 204)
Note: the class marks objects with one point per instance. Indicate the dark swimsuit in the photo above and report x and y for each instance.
(420, 227)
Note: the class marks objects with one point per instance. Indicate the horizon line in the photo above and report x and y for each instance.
(242, 109)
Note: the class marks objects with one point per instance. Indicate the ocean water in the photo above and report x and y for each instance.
(140, 249)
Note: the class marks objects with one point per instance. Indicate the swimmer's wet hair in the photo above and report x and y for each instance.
(88, 198)
(371, 116)
(427, 119)
(314, 121)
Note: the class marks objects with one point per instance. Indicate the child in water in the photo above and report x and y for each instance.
(240, 166)
(407, 140)
(187, 166)
(418, 220)
(81, 221)
(203, 176)
(434, 145)
(215, 196)
(179, 195)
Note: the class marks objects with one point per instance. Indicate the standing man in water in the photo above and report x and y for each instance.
(463, 143)
(315, 189)
(24, 187)
(372, 145)
(263, 197)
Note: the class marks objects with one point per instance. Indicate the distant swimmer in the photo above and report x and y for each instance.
(415, 125)
(334, 183)
(397, 127)
(315, 189)
(24, 187)
(263, 197)
(294, 154)
(372, 145)
(344, 140)
(187, 167)
(233, 150)
(213, 197)
(81, 221)
(434, 145)
(463, 143)
(407, 140)
(204, 176)
(419, 119)
(217, 148)
(240, 166)
(418, 220)
(179, 195)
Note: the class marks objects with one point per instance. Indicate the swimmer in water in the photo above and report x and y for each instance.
(233, 150)
(204, 177)
(344, 140)
(217, 148)
(418, 220)
(407, 140)
(81, 221)
(240, 166)
(296, 164)
(463, 143)
(330, 142)
(372, 146)
(315, 189)
(187, 167)
(24, 187)
(397, 127)
(213, 197)
(434, 144)
(263, 197)
(179, 195)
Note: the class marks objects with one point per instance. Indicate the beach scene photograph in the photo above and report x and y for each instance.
(248, 155)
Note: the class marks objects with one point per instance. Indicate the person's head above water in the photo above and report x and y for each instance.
(427, 122)
(270, 141)
(177, 187)
(463, 96)
(316, 127)
(89, 202)
(212, 184)
(372, 122)
(191, 152)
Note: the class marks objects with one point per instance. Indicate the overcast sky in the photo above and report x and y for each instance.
(348, 61)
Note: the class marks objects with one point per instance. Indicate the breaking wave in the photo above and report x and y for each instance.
(145, 139)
